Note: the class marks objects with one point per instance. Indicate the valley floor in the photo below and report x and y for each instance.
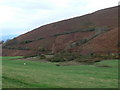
(30, 74)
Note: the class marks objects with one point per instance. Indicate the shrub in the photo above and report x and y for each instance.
(64, 56)
(64, 33)
(29, 56)
(10, 42)
(23, 48)
(2, 42)
(41, 49)
(40, 38)
(26, 41)
(17, 48)
(41, 56)
(85, 58)
(57, 58)
(118, 43)
(74, 44)
(88, 30)
(8, 47)
(83, 41)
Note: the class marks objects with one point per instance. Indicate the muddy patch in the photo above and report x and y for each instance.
(104, 66)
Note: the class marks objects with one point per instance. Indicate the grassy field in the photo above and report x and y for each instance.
(47, 75)
(0, 72)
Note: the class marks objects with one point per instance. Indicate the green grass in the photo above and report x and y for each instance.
(47, 75)
(0, 72)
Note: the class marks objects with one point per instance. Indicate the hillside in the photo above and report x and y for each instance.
(95, 32)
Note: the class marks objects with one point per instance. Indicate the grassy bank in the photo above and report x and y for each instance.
(47, 75)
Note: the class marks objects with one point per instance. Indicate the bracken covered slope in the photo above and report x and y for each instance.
(96, 32)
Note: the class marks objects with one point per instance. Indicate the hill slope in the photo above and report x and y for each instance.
(95, 32)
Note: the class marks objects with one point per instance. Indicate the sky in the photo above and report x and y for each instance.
(20, 16)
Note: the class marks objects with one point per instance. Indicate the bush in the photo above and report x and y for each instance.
(42, 56)
(41, 49)
(8, 47)
(57, 58)
(64, 56)
(16, 48)
(26, 41)
(10, 42)
(2, 42)
(40, 38)
(29, 56)
(23, 48)
(89, 30)
(83, 41)
(86, 58)
(78, 43)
